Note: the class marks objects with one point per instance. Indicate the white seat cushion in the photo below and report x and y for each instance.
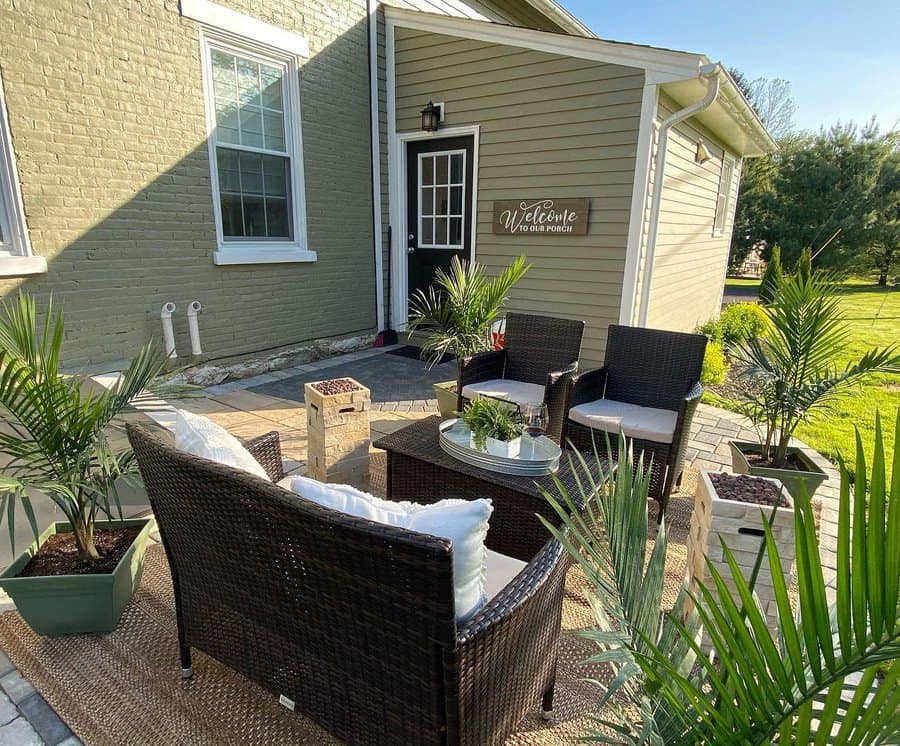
(518, 392)
(644, 423)
(464, 522)
(499, 569)
(202, 437)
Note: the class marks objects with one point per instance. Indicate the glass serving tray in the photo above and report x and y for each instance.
(537, 456)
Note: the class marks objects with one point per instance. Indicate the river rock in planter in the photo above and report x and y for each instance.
(739, 524)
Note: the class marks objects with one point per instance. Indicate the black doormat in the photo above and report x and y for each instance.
(413, 352)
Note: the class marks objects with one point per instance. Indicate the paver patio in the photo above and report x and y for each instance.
(401, 393)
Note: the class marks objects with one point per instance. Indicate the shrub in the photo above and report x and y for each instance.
(774, 272)
(714, 365)
(804, 264)
(740, 322)
(712, 329)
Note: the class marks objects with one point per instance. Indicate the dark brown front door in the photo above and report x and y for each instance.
(439, 206)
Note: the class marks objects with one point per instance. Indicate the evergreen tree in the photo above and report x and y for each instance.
(771, 276)
(804, 264)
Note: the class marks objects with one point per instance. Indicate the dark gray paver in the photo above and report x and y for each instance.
(396, 383)
(44, 720)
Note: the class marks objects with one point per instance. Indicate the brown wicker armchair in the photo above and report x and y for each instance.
(539, 356)
(351, 620)
(649, 386)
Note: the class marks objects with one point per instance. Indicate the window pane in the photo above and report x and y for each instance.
(456, 168)
(248, 82)
(255, 194)
(277, 217)
(427, 231)
(255, 216)
(232, 215)
(442, 202)
(456, 200)
(251, 127)
(440, 231)
(271, 87)
(275, 176)
(428, 170)
(427, 206)
(441, 174)
(227, 127)
(229, 173)
(456, 231)
(273, 130)
(224, 81)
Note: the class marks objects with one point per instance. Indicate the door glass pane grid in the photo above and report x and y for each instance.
(442, 199)
(248, 101)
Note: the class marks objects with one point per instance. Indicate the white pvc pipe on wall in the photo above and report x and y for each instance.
(168, 332)
(193, 310)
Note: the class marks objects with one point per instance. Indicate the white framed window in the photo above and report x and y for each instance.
(255, 149)
(16, 259)
(723, 199)
(442, 199)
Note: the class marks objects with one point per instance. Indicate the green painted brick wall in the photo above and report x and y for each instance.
(106, 111)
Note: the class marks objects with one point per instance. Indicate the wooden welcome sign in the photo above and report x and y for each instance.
(520, 217)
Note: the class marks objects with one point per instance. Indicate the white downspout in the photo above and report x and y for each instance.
(194, 309)
(711, 74)
(372, 7)
(168, 332)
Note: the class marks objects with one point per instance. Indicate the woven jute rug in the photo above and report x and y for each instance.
(125, 688)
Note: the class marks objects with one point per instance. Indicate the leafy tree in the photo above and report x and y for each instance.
(883, 253)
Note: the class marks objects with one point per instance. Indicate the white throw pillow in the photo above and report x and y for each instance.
(202, 437)
(464, 522)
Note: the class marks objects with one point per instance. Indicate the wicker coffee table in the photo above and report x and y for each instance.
(418, 469)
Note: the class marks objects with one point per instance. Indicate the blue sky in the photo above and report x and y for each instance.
(842, 58)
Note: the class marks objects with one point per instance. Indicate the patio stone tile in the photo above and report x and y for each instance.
(6, 665)
(8, 711)
(728, 426)
(16, 687)
(44, 720)
(706, 437)
(19, 733)
(70, 741)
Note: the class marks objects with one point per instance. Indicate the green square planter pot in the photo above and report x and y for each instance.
(792, 479)
(76, 604)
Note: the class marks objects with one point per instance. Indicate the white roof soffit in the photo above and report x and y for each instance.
(662, 65)
(731, 117)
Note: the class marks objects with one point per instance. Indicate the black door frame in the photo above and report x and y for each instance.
(397, 190)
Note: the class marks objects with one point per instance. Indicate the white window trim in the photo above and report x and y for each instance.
(462, 240)
(727, 160)
(16, 258)
(258, 252)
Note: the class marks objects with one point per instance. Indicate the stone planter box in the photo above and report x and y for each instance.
(740, 526)
(792, 479)
(503, 448)
(338, 433)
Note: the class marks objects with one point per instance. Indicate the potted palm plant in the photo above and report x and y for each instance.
(791, 372)
(58, 441)
(454, 316)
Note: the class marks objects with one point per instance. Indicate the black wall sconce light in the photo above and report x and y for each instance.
(431, 117)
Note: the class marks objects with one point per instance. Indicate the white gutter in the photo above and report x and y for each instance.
(710, 73)
(372, 6)
(168, 332)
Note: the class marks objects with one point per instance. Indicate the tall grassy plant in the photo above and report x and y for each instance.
(55, 431)
(791, 371)
(455, 313)
(828, 674)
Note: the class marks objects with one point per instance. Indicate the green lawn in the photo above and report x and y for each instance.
(873, 315)
(740, 282)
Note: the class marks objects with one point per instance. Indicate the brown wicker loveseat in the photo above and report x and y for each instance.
(351, 620)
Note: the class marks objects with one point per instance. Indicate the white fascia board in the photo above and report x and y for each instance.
(665, 65)
(247, 27)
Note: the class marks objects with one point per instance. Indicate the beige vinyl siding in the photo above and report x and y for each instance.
(110, 140)
(690, 262)
(551, 126)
